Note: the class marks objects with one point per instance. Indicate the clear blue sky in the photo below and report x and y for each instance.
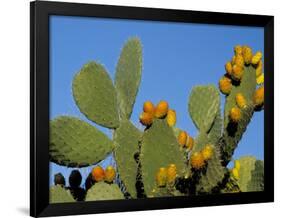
(176, 57)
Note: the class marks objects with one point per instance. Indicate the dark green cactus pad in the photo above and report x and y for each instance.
(126, 138)
(128, 76)
(251, 174)
(104, 191)
(59, 194)
(159, 148)
(203, 105)
(75, 143)
(95, 95)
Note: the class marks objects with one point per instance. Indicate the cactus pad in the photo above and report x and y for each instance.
(95, 95)
(103, 191)
(126, 138)
(128, 76)
(75, 143)
(204, 102)
(159, 148)
(59, 194)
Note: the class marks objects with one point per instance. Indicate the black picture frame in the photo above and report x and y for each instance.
(39, 107)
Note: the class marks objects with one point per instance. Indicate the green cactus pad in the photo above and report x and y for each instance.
(216, 130)
(103, 191)
(75, 143)
(251, 175)
(159, 148)
(128, 76)
(203, 105)
(126, 138)
(95, 95)
(231, 186)
(59, 194)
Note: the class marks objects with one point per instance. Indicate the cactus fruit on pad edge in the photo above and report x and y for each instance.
(104, 191)
(59, 194)
(75, 143)
(126, 138)
(95, 95)
(128, 76)
(159, 148)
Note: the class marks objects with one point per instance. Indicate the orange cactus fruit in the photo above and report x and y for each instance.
(225, 85)
(256, 58)
(146, 118)
(182, 137)
(161, 109)
(171, 117)
(228, 68)
(161, 177)
(109, 174)
(207, 152)
(258, 97)
(171, 174)
(197, 160)
(240, 101)
(238, 50)
(237, 72)
(235, 114)
(148, 107)
(259, 69)
(239, 60)
(189, 142)
(247, 54)
(98, 173)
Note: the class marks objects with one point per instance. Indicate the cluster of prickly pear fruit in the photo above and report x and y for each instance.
(162, 160)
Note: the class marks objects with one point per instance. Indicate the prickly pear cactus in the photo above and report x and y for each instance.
(103, 191)
(75, 143)
(60, 195)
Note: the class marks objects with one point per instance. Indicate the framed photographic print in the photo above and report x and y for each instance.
(140, 109)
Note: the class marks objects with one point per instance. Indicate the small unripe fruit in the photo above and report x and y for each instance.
(240, 101)
(171, 174)
(237, 72)
(171, 117)
(207, 152)
(235, 114)
(237, 164)
(225, 85)
(98, 174)
(109, 174)
(189, 142)
(146, 118)
(259, 96)
(161, 109)
(256, 58)
(239, 60)
(148, 107)
(259, 69)
(228, 68)
(238, 50)
(260, 79)
(235, 173)
(182, 137)
(247, 54)
(197, 160)
(161, 177)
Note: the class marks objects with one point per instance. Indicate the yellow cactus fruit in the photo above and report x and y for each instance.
(189, 142)
(237, 72)
(148, 107)
(247, 54)
(197, 160)
(182, 137)
(228, 68)
(235, 114)
(237, 164)
(171, 117)
(260, 79)
(171, 174)
(109, 174)
(239, 60)
(146, 118)
(240, 101)
(225, 85)
(259, 69)
(259, 96)
(207, 152)
(235, 173)
(98, 173)
(161, 177)
(238, 50)
(233, 59)
(161, 109)
(256, 58)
